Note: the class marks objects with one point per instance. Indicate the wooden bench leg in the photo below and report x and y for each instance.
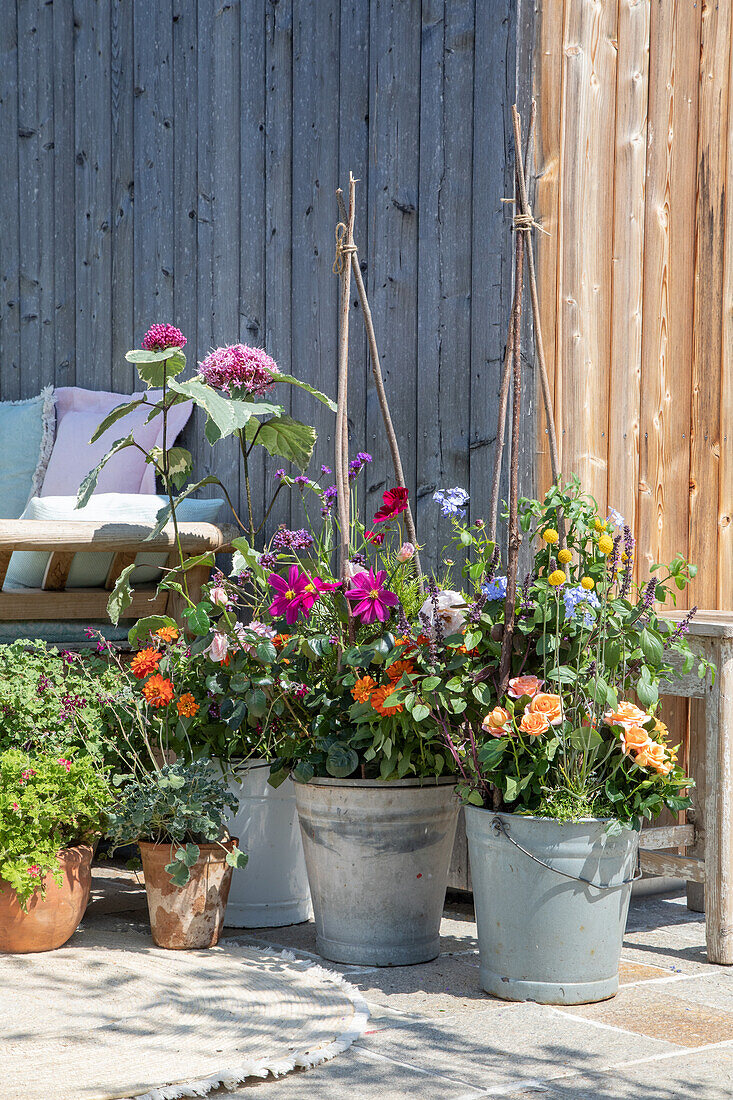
(719, 810)
(699, 709)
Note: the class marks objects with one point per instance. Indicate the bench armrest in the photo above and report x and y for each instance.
(94, 535)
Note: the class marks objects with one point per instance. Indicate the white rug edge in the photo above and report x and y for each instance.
(236, 1075)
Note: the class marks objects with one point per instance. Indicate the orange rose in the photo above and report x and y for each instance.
(524, 685)
(626, 714)
(534, 723)
(496, 722)
(549, 705)
(654, 756)
(635, 739)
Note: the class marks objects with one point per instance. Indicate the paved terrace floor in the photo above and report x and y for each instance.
(667, 1035)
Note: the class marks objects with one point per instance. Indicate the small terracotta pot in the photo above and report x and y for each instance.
(190, 915)
(51, 919)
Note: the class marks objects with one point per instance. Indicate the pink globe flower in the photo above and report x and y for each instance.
(160, 337)
(370, 599)
(240, 367)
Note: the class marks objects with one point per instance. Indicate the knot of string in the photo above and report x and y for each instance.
(524, 223)
(343, 249)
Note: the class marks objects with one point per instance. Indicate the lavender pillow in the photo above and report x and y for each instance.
(78, 413)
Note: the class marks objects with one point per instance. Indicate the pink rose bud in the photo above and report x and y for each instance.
(219, 596)
(405, 552)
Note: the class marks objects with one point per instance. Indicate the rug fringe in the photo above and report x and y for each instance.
(234, 1076)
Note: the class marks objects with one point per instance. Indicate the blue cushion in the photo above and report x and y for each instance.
(89, 570)
(26, 441)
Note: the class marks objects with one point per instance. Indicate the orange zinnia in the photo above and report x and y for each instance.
(380, 701)
(158, 691)
(167, 633)
(145, 662)
(186, 705)
(363, 688)
(398, 669)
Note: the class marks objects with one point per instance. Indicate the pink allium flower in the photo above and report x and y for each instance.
(370, 599)
(160, 337)
(289, 596)
(240, 367)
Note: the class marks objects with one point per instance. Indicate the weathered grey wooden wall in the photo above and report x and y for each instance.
(177, 160)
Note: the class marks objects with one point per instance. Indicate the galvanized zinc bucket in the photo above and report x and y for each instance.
(543, 934)
(377, 857)
(272, 890)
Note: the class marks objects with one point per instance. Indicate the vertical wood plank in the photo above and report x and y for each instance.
(632, 90)
(201, 449)
(10, 236)
(93, 194)
(185, 188)
(548, 71)
(278, 198)
(252, 200)
(589, 103)
(725, 503)
(153, 119)
(394, 112)
(669, 278)
(36, 189)
(709, 264)
(124, 336)
(64, 322)
(314, 216)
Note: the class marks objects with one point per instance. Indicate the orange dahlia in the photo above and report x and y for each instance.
(363, 688)
(380, 700)
(158, 691)
(145, 662)
(186, 705)
(400, 668)
(167, 633)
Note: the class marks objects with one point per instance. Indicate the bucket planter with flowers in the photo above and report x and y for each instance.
(568, 764)
(177, 814)
(52, 809)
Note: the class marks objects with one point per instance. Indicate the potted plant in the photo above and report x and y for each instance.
(572, 757)
(177, 814)
(232, 386)
(52, 809)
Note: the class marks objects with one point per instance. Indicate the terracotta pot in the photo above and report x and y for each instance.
(190, 915)
(51, 919)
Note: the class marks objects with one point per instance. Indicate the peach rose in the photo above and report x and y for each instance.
(549, 705)
(635, 739)
(534, 723)
(654, 756)
(524, 685)
(496, 722)
(626, 714)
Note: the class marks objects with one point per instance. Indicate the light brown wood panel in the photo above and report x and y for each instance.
(725, 508)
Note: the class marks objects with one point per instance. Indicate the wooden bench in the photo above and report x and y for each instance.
(62, 540)
(708, 835)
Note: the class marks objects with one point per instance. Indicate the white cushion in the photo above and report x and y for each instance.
(89, 570)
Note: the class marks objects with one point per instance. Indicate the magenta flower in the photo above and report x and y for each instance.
(239, 367)
(290, 594)
(313, 589)
(160, 337)
(370, 599)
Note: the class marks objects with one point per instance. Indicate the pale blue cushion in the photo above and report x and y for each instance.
(89, 570)
(26, 439)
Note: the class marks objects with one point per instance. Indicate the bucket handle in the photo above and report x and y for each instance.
(500, 828)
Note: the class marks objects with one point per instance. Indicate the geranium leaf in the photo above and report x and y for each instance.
(89, 483)
(116, 414)
(120, 597)
(322, 397)
(284, 437)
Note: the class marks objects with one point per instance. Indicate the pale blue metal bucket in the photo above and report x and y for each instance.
(543, 936)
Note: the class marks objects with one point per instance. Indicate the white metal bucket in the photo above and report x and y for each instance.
(272, 890)
(543, 936)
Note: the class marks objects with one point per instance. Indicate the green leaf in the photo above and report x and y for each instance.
(237, 859)
(475, 799)
(341, 761)
(284, 437)
(257, 703)
(309, 389)
(585, 738)
(89, 483)
(148, 625)
(120, 597)
(420, 712)
(651, 647)
(647, 692)
(153, 367)
(303, 772)
(190, 854)
(512, 788)
(179, 873)
(116, 414)
(224, 415)
(180, 463)
(430, 683)
(142, 355)
(197, 619)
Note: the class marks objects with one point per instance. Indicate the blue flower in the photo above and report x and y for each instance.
(494, 590)
(452, 501)
(574, 598)
(615, 518)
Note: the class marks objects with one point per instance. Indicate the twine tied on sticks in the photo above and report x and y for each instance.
(343, 248)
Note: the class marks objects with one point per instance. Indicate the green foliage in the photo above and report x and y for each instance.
(284, 437)
(47, 802)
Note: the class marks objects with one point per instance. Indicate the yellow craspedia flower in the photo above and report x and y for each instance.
(587, 583)
(605, 544)
(556, 578)
(599, 524)
(564, 556)
(550, 535)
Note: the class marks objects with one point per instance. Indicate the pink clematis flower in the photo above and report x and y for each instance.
(370, 599)
(290, 592)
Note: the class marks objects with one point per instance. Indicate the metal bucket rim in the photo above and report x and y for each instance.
(384, 784)
(550, 820)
